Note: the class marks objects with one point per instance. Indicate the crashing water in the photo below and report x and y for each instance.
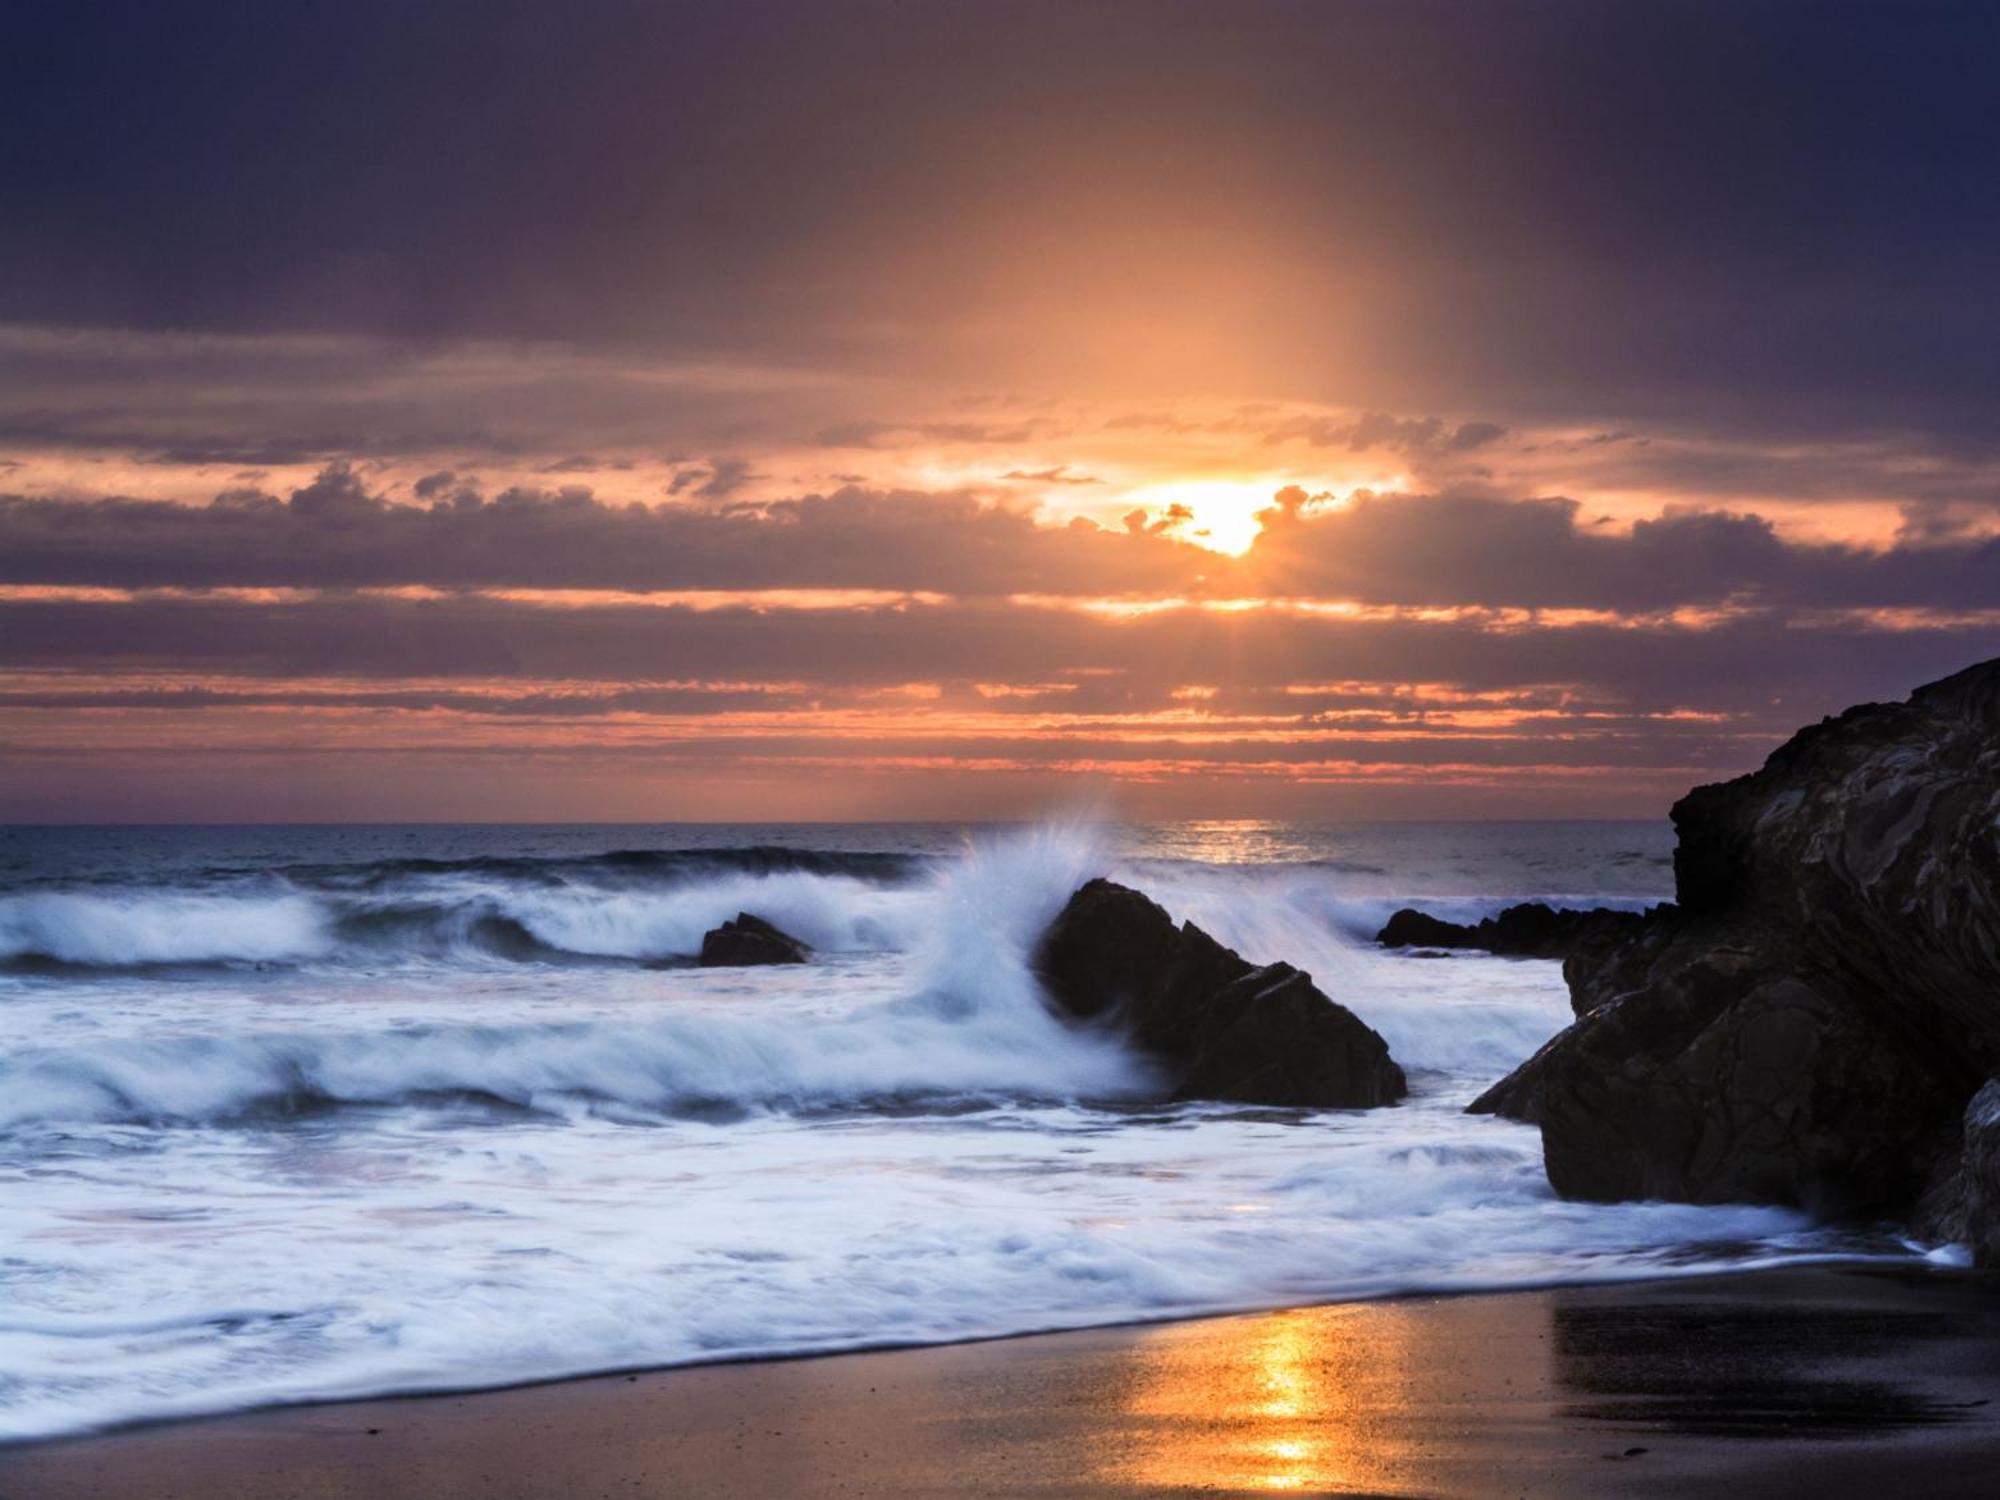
(295, 1114)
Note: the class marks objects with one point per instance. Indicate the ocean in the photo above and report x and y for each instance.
(301, 1113)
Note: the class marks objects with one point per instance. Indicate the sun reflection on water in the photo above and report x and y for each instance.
(1311, 1400)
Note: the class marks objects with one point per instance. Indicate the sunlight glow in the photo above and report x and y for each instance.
(1219, 514)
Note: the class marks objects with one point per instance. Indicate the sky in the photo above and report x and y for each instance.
(640, 411)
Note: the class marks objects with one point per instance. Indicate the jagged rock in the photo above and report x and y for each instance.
(1962, 1200)
(1518, 1096)
(1531, 930)
(1410, 928)
(750, 940)
(1979, 1164)
(1225, 1028)
(1807, 1024)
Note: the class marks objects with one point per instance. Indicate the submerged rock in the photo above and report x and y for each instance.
(1807, 1024)
(1226, 1028)
(750, 940)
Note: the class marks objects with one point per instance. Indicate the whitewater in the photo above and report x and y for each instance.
(298, 1114)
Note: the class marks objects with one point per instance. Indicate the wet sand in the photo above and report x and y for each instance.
(1809, 1382)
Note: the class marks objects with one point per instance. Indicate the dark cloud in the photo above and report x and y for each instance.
(577, 702)
(1413, 437)
(718, 479)
(853, 434)
(336, 533)
(1462, 549)
(886, 434)
(1556, 206)
(437, 482)
(1783, 669)
(1433, 550)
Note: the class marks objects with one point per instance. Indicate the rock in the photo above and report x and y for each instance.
(1410, 928)
(1531, 930)
(1224, 1028)
(1739, 1085)
(1518, 1096)
(1979, 1162)
(1807, 1023)
(750, 940)
(1962, 1201)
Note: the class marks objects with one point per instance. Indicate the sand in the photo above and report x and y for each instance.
(1816, 1382)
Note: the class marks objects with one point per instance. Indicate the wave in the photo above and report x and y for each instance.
(972, 1026)
(616, 868)
(966, 925)
(652, 906)
(695, 1066)
(631, 907)
(142, 928)
(971, 1022)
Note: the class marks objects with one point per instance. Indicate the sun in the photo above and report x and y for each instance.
(1221, 514)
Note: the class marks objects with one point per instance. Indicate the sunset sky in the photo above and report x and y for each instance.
(837, 410)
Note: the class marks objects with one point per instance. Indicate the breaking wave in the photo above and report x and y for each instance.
(629, 906)
(972, 1027)
(650, 907)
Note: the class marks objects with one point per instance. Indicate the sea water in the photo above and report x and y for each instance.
(302, 1113)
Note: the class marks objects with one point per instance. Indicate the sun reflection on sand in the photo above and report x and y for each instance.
(1311, 1400)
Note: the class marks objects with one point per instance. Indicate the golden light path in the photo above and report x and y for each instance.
(1309, 1401)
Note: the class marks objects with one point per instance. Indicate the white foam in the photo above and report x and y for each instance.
(832, 913)
(148, 928)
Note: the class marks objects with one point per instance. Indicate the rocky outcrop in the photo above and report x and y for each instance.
(750, 940)
(1807, 1024)
(1223, 1027)
(1979, 1168)
(1532, 930)
(1962, 1201)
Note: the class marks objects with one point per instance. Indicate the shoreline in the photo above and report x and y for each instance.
(1862, 1262)
(1774, 1381)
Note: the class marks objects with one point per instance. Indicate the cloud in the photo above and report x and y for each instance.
(335, 533)
(1445, 550)
(716, 480)
(1058, 475)
(1413, 437)
(1457, 549)
(437, 482)
(1783, 669)
(887, 434)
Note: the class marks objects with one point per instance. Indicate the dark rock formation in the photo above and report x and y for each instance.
(1979, 1168)
(1225, 1028)
(1532, 930)
(1807, 1024)
(1962, 1201)
(750, 940)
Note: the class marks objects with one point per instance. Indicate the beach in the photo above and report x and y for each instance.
(1799, 1381)
(830, 748)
